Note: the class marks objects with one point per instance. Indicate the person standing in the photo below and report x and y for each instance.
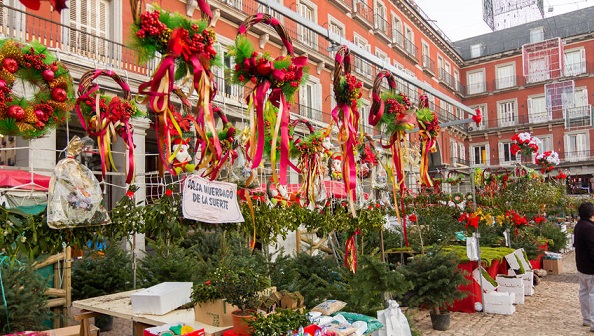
(584, 259)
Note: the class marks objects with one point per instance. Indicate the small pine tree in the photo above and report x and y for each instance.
(23, 290)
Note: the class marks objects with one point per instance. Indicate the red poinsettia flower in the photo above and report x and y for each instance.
(412, 218)
(168, 192)
(58, 5)
(539, 219)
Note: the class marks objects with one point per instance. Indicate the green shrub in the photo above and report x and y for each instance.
(557, 238)
(169, 263)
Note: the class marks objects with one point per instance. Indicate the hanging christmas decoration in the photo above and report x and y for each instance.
(183, 138)
(279, 78)
(48, 106)
(428, 132)
(188, 52)
(107, 117)
(57, 5)
(209, 160)
(347, 92)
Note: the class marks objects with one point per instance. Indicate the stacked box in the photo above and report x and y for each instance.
(488, 287)
(499, 303)
(528, 279)
(162, 298)
(514, 284)
(553, 266)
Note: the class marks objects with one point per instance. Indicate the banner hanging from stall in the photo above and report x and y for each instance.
(210, 201)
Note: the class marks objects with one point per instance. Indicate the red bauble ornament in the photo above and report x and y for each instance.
(16, 112)
(264, 69)
(2, 85)
(54, 67)
(210, 50)
(39, 114)
(48, 75)
(10, 64)
(59, 95)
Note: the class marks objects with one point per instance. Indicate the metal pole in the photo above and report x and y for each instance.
(477, 236)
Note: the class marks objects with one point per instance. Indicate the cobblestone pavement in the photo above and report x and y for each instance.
(552, 311)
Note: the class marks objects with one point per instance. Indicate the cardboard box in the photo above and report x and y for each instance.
(72, 331)
(155, 331)
(216, 313)
(499, 303)
(553, 266)
(162, 298)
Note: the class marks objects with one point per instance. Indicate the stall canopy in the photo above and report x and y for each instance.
(23, 190)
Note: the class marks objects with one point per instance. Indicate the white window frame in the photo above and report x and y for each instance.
(364, 111)
(484, 113)
(364, 67)
(380, 24)
(397, 29)
(382, 55)
(581, 108)
(573, 68)
(506, 116)
(547, 143)
(462, 152)
(313, 112)
(425, 51)
(506, 157)
(471, 153)
(536, 115)
(538, 70)
(479, 87)
(476, 50)
(582, 150)
(306, 36)
(509, 79)
(453, 151)
(332, 21)
(537, 34)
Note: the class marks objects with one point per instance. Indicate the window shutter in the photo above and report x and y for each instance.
(462, 152)
(529, 104)
(501, 153)
(302, 100)
(582, 145)
(318, 99)
(582, 61)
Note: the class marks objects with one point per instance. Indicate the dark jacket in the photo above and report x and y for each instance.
(584, 246)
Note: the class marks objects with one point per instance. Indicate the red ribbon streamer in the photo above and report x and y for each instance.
(350, 254)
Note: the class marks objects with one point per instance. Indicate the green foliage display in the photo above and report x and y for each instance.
(557, 238)
(102, 273)
(437, 223)
(169, 263)
(240, 287)
(23, 289)
(279, 323)
(436, 279)
(488, 254)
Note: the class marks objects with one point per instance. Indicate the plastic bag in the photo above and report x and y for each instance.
(394, 320)
(75, 198)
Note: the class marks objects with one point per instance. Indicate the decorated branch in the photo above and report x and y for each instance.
(183, 147)
(347, 92)
(279, 78)
(312, 150)
(428, 132)
(525, 143)
(48, 106)
(188, 51)
(209, 160)
(107, 117)
(547, 161)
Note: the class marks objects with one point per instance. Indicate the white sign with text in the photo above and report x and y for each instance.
(210, 201)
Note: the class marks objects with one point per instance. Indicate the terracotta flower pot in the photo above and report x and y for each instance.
(240, 322)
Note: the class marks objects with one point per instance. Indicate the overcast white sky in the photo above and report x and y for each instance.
(460, 19)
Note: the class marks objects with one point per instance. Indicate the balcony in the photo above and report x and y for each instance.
(575, 69)
(510, 82)
(446, 79)
(342, 5)
(363, 68)
(459, 161)
(74, 46)
(398, 40)
(307, 42)
(579, 116)
(476, 88)
(383, 28)
(363, 13)
(428, 65)
(411, 50)
(307, 112)
(226, 90)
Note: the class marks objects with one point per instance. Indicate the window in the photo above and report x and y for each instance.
(476, 50)
(453, 151)
(410, 41)
(380, 14)
(576, 146)
(483, 109)
(476, 82)
(364, 117)
(90, 23)
(479, 154)
(575, 62)
(505, 153)
(383, 56)
(361, 66)
(538, 69)
(310, 103)
(456, 83)
(536, 35)
(306, 36)
(462, 154)
(397, 28)
(425, 51)
(579, 114)
(336, 26)
(506, 76)
(507, 113)
(546, 145)
(13, 21)
(263, 9)
(225, 88)
(537, 109)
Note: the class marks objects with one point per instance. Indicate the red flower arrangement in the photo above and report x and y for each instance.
(469, 219)
(547, 160)
(412, 218)
(478, 117)
(539, 219)
(561, 175)
(525, 143)
(349, 92)
(516, 218)
(367, 161)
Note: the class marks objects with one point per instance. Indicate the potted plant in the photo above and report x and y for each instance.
(240, 287)
(102, 273)
(436, 280)
(279, 323)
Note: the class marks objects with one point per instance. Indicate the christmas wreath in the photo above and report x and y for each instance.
(32, 63)
(106, 117)
(276, 81)
(428, 132)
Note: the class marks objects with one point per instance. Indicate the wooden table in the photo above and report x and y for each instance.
(118, 305)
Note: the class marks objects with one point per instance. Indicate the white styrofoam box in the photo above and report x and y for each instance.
(528, 279)
(499, 303)
(509, 281)
(512, 261)
(518, 293)
(487, 285)
(526, 263)
(162, 298)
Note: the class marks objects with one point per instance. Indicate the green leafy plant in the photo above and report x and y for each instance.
(167, 263)
(557, 238)
(435, 278)
(23, 290)
(240, 287)
(279, 323)
(102, 273)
